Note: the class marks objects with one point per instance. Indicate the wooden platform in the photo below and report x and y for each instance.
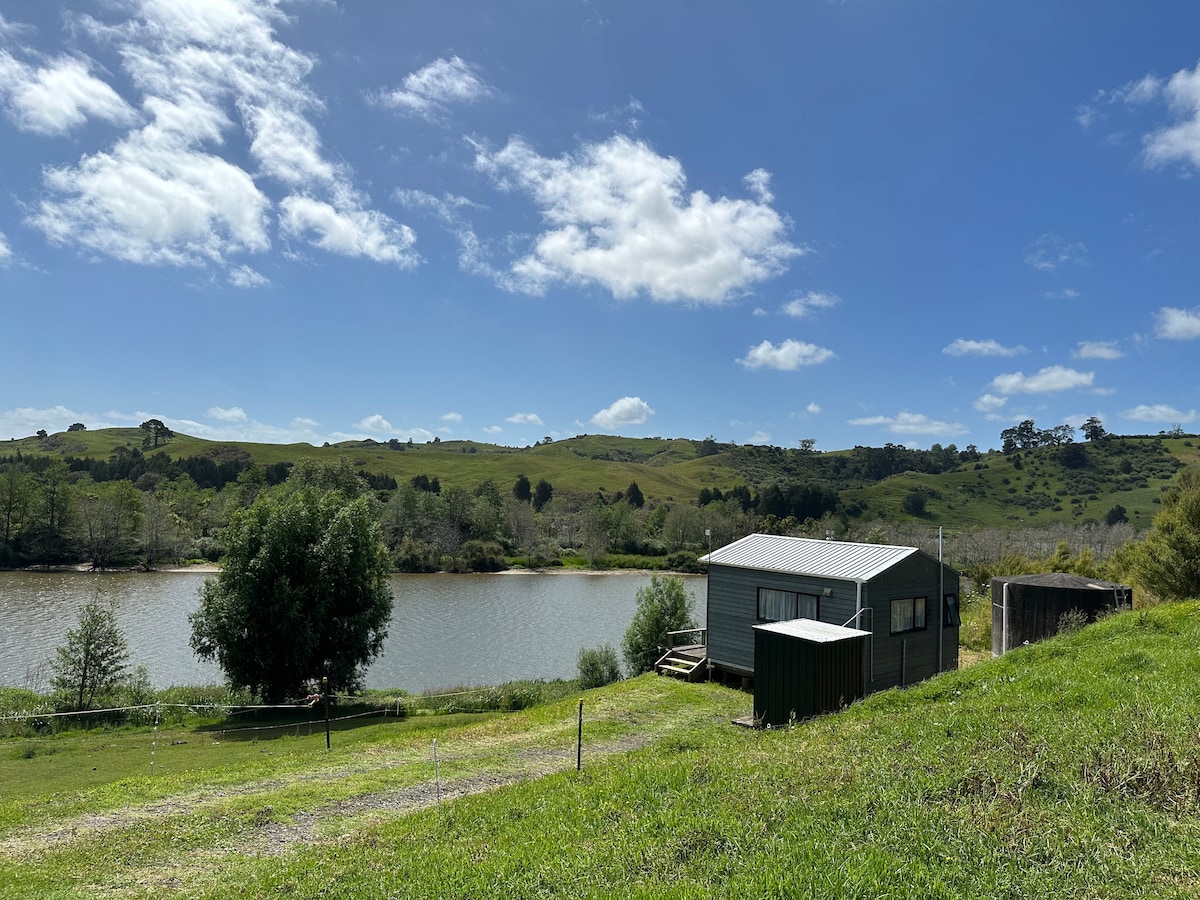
(688, 661)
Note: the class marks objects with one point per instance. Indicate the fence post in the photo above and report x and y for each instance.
(325, 693)
(437, 778)
(579, 740)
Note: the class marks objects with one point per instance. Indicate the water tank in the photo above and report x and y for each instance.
(1027, 608)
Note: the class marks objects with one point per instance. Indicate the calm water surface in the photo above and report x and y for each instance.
(446, 629)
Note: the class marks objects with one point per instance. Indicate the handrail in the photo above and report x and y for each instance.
(671, 635)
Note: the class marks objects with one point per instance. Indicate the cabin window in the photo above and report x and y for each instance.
(781, 606)
(951, 616)
(908, 615)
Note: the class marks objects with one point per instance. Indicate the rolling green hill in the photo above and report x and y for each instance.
(1073, 483)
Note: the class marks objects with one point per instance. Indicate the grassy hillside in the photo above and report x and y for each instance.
(1036, 487)
(1042, 486)
(1066, 769)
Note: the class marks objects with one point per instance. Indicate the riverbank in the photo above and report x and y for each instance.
(214, 568)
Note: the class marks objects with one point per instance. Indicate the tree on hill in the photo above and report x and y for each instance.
(77, 426)
(94, 658)
(1093, 429)
(303, 593)
(523, 490)
(663, 605)
(156, 431)
(542, 494)
(633, 496)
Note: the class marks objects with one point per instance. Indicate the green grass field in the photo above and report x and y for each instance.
(1067, 769)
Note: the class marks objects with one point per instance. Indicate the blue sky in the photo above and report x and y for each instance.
(856, 222)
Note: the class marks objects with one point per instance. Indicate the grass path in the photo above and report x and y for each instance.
(222, 805)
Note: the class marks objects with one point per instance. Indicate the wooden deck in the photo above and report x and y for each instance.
(685, 660)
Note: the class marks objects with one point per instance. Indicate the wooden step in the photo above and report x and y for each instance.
(667, 667)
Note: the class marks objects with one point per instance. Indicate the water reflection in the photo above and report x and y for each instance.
(446, 629)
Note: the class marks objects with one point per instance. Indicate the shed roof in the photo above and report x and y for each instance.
(1063, 580)
(812, 631)
(808, 556)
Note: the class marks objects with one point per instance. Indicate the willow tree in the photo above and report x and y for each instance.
(303, 593)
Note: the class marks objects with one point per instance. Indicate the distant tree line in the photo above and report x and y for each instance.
(1027, 436)
(859, 467)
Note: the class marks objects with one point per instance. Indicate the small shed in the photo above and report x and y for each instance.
(906, 599)
(804, 668)
(1028, 608)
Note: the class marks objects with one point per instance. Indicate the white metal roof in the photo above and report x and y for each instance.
(812, 631)
(808, 556)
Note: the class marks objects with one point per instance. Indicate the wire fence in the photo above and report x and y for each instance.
(204, 725)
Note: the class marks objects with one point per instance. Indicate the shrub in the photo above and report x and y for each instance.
(598, 666)
(663, 605)
(1071, 620)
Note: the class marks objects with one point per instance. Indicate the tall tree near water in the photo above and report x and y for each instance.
(303, 593)
(94, 658)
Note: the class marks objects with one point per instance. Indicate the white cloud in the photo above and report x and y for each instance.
(620, 217)
(1050, 251)
(232, 414)
(246, 277)
(1098, 350)
(989, 403)
(493, 429)
(1061, 294)
(760, 438)
(913, 423)
(154, 206)
(788, 356)
(448, 210)
(376, 423)
(304, 422)
(1178, 324)
(58, 97)
(1047, 380)
(26, 421)
(802, 306)
(10, 29)
(758, 183)
(812, 409)
(1159, 412)
(963, 347)
(452, 417)
(1179, 142)
(5, 250)
(161, 194)
(350, 232)
(428, 92)
(626, 411)
(1134, 93)
(524, 419)
(627, 115)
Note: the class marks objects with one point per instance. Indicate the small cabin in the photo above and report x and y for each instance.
(905, 599)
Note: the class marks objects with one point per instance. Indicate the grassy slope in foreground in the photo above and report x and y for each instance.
(1066, 769)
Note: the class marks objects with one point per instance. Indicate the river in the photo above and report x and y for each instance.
(446, 630)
